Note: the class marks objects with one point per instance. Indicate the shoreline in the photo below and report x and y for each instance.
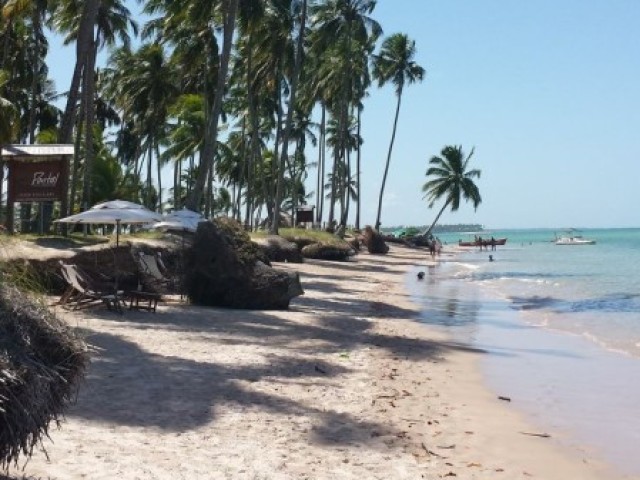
(563, 383)
(346, 384)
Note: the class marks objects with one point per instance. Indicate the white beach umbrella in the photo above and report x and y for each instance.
(118, 204)
(113, 216)
(181, 220)
(185, 213)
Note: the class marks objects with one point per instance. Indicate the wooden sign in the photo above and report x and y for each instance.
(36, 181)
(304, 215)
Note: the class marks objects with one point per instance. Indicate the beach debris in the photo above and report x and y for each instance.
(446, 447)
(534, 434)
(319, 370)
(42, 360)
(506, 399)
(424, 447)
(420, 275)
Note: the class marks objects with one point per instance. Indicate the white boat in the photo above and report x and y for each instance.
(573, 238)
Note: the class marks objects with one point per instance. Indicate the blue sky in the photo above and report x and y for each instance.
(547, 92)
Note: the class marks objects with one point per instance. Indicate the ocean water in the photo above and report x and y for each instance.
(560, 326)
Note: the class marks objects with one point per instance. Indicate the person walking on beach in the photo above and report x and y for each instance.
(438, 246)
(493, 243)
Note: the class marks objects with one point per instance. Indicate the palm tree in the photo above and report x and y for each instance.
(289, 120)
(37, 10)
(147, 89)
(451, 180)
(84, 36)
(342, 29)
(8, 123)
(395, 64)
(229, 12)
(8, 114)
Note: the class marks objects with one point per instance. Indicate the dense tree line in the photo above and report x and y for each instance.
(232, 94)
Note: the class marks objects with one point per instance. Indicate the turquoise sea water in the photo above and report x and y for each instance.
(560, 326)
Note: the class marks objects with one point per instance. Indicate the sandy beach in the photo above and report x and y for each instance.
(344, 385)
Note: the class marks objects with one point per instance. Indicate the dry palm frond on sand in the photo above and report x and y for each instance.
(41, 361)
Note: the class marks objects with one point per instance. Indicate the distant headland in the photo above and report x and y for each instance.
(460, 227)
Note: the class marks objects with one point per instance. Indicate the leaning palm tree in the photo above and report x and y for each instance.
(395, 64)
(451, 179)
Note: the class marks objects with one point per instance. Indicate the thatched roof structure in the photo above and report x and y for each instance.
(41, 362)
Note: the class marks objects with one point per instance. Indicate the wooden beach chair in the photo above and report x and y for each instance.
(151, 270)
(82, 291)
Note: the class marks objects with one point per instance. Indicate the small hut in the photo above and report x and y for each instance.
(41, 362)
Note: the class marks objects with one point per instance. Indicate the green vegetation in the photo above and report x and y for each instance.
(229, 95)
(448, 177)
(307, 236)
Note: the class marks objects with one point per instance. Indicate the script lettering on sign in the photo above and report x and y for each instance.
(45, 179)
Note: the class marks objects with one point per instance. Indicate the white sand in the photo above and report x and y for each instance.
(344, 385)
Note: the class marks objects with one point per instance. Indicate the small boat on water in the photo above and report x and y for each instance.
(572, 237)
(483, 242)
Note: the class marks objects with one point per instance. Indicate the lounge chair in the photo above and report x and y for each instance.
(83, 291)
(151, 270)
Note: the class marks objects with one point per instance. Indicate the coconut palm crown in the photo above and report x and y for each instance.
(449, 178)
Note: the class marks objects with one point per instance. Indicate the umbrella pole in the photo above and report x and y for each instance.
(117, 232)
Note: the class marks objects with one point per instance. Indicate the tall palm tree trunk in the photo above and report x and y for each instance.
(88, 92)
(75, 171)
(176, 184)
(428, 230)
(84, 45)
(347, 192)
(320, 180)
(334, 184)
(254, 146)
(358, 158)
(211, 137)
(35, 19)
(386, 168)
(276, 155)
(159, 172)
(289, 121)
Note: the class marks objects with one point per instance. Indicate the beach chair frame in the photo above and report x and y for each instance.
(152, 275)
(82, 291)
